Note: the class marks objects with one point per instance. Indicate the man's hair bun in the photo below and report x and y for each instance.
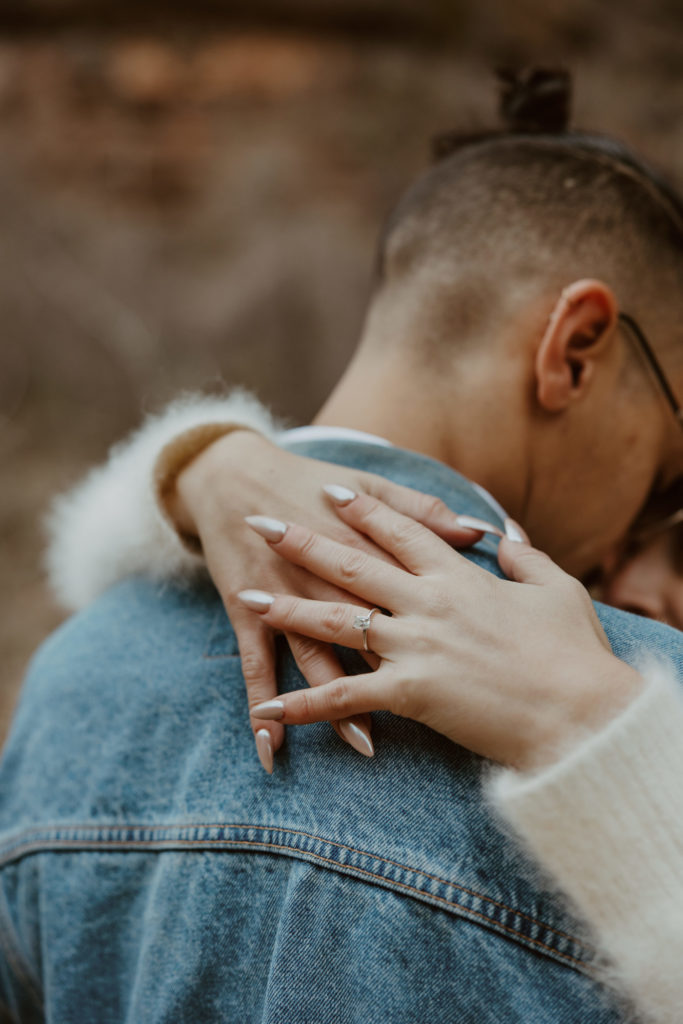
(535, 101)
(532, 102)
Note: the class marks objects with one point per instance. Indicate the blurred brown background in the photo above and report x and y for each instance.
(189, 194)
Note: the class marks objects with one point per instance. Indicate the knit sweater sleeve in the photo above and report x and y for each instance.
(606, 823)
(110, 525)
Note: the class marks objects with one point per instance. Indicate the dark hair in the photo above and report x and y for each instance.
(536, 103)
(530, 102)
(533, 200)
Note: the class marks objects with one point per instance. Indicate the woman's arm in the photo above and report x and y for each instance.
(111, 525)
(171, 501)
(445, 612)
(523, 675)
(606, 823)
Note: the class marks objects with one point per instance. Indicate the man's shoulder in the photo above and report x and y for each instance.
(635, 639)
(135, 623)
(128, 675)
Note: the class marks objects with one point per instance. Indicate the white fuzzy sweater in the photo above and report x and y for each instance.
(606, 822)
(110, 527)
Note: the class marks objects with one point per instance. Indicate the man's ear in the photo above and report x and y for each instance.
(579, 333)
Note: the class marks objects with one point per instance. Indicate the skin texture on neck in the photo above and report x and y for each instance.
(539, 415)
(462, 419)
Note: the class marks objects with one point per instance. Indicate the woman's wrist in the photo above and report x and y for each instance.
(196, 489)
(597, 692)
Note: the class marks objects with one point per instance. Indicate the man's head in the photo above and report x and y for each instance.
(647, 577)
(511, 217)
(500, 277)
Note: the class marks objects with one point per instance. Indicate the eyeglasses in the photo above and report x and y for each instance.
(655, 365)
(662, 512)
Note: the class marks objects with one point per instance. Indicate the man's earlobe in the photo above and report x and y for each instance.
(579, 333)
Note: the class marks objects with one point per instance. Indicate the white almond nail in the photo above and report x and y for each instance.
(472, 523)
(272, 529)
(356, 736)
(339, 495)
(256, 600)
(271, 710)
(514, 532)
(264, 749)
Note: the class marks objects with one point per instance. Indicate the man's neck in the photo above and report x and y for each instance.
(460, 429)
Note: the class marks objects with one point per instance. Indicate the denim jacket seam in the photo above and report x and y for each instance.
(351, 849)
(49, 837)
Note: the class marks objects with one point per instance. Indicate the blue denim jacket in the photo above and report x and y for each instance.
(151, 871)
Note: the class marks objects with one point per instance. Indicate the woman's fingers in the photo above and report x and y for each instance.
(350, 569)
(316, 661)
(318, 665)
(255, 642)
(458, 530)
(334, 623)
(524, 564)
(342, 698)
(411, 544)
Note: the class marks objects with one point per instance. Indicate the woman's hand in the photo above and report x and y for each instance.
(515, 671)
(241, 474)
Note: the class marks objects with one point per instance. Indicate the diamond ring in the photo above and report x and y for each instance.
(363, 622)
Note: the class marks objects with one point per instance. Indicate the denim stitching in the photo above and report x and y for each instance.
(316, 838)
(403, 867)
(200, 843)
(93, 844)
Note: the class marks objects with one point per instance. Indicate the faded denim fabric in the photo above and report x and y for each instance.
(151, 871)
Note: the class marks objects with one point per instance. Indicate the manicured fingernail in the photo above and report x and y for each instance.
(339, 495)
(513, 531)
(271, 710)
(271, 529)
(257, 600)
(357, 736)
(472, 523)
(264, 749)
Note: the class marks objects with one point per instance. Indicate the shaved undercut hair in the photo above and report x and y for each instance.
(506, 218)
